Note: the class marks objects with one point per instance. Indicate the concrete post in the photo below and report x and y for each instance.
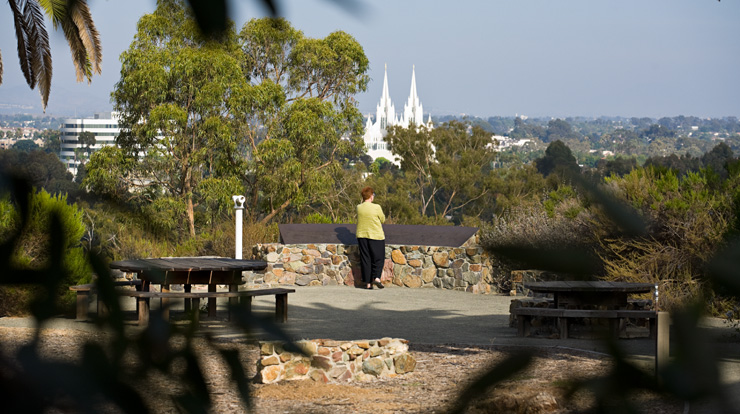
(239, 207)
(662, 342)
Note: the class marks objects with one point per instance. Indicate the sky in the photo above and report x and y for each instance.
(539, 58)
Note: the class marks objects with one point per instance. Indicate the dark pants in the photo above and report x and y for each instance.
(372, 258)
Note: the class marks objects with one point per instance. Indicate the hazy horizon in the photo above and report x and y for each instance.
(536, 58)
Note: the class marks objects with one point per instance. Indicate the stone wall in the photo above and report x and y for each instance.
(466, 268)
(330, 361)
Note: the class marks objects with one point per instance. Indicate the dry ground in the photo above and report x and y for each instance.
(441, 372)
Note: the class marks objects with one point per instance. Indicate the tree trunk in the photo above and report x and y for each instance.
(187, 190)
(274, 212)
(191, 216)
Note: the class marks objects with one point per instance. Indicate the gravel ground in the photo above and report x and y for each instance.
(442, 372)
(454, 336)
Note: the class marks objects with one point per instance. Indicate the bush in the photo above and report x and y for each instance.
(32, 248)
(539, 226)
(221, 240)
(688, 221)
(116, 233)
(547, 225)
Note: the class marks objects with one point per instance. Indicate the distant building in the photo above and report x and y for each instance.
(385, 117)
(9, 136)
(504, 143)
(103, 125)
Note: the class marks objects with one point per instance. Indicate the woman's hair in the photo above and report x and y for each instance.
(366, 193)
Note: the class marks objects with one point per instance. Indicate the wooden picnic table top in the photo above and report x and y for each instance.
(188, 264)
(589, 286)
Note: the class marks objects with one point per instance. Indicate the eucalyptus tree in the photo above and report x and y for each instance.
(464, 159)
(34, 52)
(296, 148)
(176, 96)
(449, 165)
(203, 118)
(87, 140)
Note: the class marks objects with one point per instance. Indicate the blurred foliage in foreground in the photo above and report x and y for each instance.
(116, 372)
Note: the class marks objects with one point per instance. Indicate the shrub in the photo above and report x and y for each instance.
(221, 240)
(317, 218)
(546, 225)
(31, 250)
(688, 223)
(534, 226)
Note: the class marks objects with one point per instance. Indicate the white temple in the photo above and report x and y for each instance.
(385, 117)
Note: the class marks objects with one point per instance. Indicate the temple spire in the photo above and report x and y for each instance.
(385, 97)
(413, 111)
(386, 117)
(413, 97)
(385, 112)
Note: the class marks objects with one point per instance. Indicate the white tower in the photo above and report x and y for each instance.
(385, 111)
(413, 112)
(385, 117)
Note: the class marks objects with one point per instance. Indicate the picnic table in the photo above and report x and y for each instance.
(578, 293)
(585, 299)
(188, 271)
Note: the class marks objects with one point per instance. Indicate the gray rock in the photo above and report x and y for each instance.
(303, 280)
(373, 366)
(471, 277)
(404, 363)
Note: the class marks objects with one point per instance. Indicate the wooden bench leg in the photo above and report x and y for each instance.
(614, 327)
(143, 305)
(83, 298)
(145, 287)
(188, 302)
(281, 307)
(246, 303)
(211, 302)
(233, 301)
(196, 311)
(520, 325)
(563, 327)
(139, 288)
(164, 304)
(652, 328)
(102, 309)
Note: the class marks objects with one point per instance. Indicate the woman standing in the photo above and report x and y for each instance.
(371, 239)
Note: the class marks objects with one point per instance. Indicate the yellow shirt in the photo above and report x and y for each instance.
(370, 218)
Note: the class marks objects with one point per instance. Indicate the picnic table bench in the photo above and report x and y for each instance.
(585, 299)
(85, 291)
(524, 316)
(245, 296)
(187, 271)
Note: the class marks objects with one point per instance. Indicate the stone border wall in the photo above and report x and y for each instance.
(331, 361)
(466, 268)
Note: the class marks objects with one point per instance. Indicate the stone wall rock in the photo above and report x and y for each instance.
(330, 361)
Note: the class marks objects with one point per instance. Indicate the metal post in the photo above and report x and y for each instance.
(655, 304)
(239, 207)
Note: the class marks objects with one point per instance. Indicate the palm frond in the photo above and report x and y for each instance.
(1, 67)
(21, 34)
(79, 54)
(55, 9)
(79, 12)
(39, 51)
